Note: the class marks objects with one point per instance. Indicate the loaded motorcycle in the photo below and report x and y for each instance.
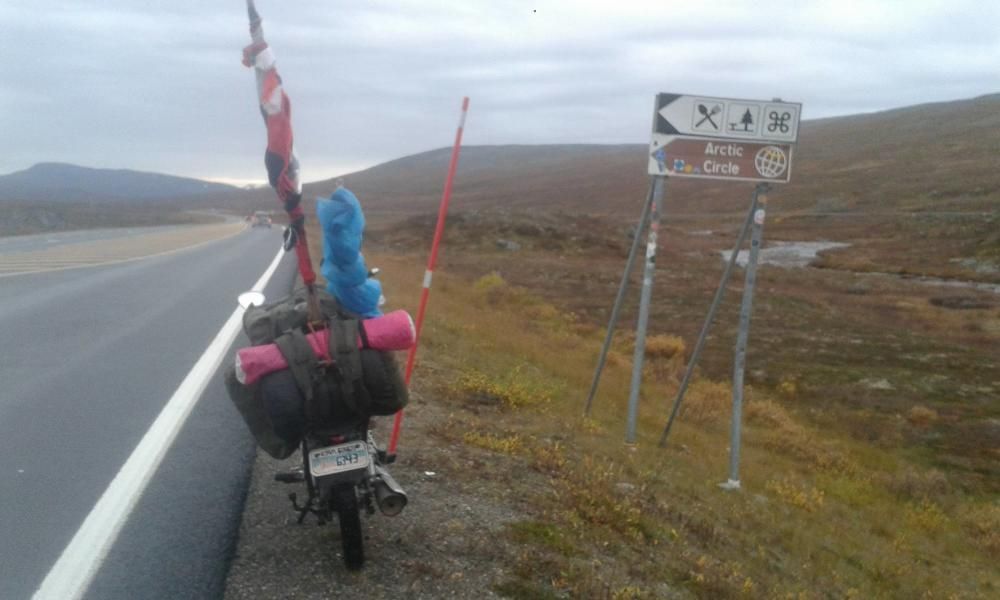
(343, 469)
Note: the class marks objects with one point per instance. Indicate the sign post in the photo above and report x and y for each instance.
(704, 137)
(647, 293)
(740, 358)
(619, 299)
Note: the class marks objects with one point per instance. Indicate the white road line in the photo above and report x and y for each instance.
(79, 562)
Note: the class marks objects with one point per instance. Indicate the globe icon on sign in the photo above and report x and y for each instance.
(771, 162)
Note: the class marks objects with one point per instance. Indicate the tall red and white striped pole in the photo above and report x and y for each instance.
(429, 273)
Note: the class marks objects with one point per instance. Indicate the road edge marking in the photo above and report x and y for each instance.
(75, 568)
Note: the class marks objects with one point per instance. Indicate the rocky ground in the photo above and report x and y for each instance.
(447, 543)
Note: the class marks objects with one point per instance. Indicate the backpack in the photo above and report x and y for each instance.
(281, 406)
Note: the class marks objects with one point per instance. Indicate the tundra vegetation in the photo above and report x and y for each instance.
(871, 421)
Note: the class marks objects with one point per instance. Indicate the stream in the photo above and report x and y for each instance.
(801, 254)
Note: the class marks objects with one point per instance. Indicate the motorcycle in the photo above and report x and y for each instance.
(344, 472)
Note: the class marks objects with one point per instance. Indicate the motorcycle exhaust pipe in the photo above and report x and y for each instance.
(389, 496)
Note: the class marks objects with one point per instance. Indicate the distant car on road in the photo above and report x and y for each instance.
(261, 219)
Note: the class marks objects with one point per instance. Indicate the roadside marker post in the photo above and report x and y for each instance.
(428, 274)
(713, 309)
(647, 294)
(740, 358)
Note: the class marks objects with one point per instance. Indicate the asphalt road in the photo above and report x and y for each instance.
(88, 358)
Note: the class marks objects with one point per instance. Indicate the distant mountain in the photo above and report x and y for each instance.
(941, 156)
(60, 182)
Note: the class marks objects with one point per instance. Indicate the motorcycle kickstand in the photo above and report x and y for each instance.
(305, 509)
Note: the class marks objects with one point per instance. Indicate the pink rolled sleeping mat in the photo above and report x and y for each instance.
(394, 331)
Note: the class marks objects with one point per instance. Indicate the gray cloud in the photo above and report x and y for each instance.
(157, 85)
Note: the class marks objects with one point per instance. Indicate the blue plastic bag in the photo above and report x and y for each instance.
(344, 268)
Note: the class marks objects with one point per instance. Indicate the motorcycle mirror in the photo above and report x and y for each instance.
(251, 298)
(291, 238)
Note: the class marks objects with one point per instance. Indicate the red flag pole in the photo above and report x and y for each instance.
(435, 245)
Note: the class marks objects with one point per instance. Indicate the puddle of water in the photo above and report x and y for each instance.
(785, 254)
(801, 254)
(953, 283)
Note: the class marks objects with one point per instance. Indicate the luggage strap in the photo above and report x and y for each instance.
(301, 360)
(347, 360)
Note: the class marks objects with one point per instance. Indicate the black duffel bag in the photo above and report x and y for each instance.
(281, 406)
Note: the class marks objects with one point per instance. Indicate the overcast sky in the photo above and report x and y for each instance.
(158, 85)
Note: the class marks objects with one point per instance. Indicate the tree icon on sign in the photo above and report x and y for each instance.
(746, 121)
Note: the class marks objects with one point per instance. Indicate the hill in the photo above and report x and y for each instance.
(939, 156)
(61, 182)
(593, 177)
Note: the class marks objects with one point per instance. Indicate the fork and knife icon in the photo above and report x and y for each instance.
(707, 115)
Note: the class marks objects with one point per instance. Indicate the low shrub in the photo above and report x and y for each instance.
(510, 444)
(927, 516)
(922, 417)
(488, 283)
(664, 346)
(788, 388)
(514, 390)
(767, 412)
(914, 484)
(795, 441)
(549, 459)
(806, 497)
(707, 401)
(983, 524)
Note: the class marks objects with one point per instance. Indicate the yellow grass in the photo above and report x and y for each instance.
(819, 516)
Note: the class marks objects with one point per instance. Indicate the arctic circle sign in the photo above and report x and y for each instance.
(713, 158)
(723, 138)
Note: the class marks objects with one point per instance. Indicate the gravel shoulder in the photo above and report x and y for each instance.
(447, 543)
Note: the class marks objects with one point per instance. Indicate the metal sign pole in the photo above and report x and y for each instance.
(640, 229)
(739, 363)
(716, 302)
(647, 293)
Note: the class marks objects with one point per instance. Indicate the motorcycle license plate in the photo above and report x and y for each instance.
(339, 459)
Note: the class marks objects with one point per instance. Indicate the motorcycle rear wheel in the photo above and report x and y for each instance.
(345, 502)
